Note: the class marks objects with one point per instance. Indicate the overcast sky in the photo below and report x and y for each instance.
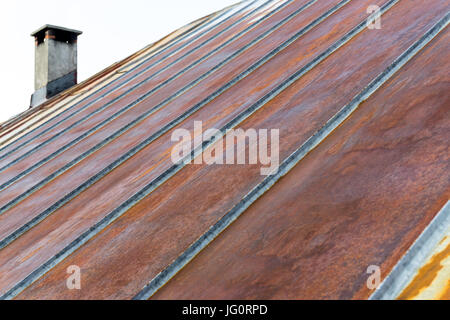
(112, 30)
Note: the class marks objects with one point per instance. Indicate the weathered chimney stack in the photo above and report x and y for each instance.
(55, 62)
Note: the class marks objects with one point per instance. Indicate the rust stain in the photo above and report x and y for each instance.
(428, 274)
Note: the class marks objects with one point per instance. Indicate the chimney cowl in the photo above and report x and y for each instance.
(55, 61)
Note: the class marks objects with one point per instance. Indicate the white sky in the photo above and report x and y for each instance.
(112, 30)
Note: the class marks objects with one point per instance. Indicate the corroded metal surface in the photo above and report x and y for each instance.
(111, 202)
(357, 200)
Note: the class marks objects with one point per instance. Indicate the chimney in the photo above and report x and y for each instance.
(55, 62)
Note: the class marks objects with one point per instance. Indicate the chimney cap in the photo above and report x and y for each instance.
(46, 27)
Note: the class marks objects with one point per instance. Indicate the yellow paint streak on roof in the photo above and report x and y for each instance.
(432, 281)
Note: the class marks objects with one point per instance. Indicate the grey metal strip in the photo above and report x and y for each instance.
(136, 102)
(133, 200)
(408, 266)
(78, 110)
(162, 278)
(37, 219)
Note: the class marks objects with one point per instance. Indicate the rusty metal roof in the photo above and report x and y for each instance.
(364, 129)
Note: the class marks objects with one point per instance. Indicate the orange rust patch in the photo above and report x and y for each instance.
(446, 293)
(426, 275)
